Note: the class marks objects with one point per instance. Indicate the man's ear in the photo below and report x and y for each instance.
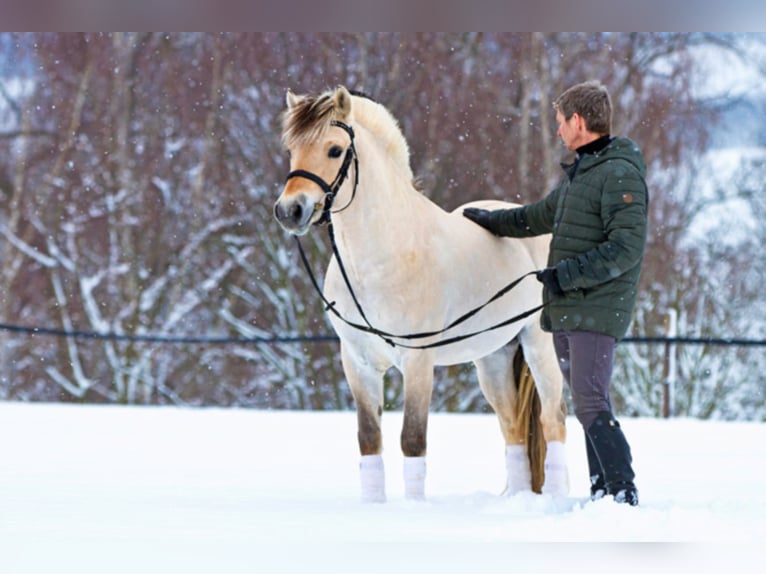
(581, 125)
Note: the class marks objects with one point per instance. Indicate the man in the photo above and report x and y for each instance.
(597, 216)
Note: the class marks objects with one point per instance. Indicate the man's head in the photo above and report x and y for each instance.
(584, 113)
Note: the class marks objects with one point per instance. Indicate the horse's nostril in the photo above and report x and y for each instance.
(288, 213)
(296, 211)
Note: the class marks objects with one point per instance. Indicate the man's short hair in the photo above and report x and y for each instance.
(592, 102)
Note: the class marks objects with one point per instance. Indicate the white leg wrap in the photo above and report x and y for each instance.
(556, 473)
(517, 467)
(373, 478)
(415, 477)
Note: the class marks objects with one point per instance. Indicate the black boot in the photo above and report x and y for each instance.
(613, 453)
(597, 485)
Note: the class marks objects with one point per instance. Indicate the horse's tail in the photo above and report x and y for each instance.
(528, 415)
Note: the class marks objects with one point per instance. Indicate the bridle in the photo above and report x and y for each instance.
(331, 191)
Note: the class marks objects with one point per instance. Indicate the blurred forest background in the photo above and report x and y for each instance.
(138, 173)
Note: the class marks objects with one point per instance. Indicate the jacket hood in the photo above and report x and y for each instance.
(619, 148)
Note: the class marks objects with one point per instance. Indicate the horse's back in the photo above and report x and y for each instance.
(536, 247)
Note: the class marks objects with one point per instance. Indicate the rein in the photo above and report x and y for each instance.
(330, 191)
(388, 337)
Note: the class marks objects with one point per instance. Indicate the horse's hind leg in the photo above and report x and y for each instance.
(495, 374)
(541, 358)
(366, 385)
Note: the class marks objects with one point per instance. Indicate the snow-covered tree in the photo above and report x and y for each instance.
(139, 171)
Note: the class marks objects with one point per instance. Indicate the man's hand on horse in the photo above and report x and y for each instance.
(550, 278)
(480, 217)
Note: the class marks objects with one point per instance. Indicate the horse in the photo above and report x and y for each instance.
(403, 268)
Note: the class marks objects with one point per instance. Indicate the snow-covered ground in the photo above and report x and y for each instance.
(142, 490)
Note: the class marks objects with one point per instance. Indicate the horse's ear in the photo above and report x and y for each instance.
(342, 102)
(291, 99)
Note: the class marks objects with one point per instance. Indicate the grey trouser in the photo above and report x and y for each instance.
(585, 360)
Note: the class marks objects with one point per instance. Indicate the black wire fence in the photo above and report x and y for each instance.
(318, 338)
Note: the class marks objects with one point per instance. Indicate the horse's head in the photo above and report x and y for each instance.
(319, 142)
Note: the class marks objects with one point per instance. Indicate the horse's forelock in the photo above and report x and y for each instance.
(307, 120)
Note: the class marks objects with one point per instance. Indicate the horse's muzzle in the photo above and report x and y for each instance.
(295, 214)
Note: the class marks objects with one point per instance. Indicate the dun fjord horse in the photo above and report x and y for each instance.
(403, 265)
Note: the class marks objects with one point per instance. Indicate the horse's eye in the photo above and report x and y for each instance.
(335, 151)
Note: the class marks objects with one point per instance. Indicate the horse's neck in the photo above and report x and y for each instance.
(375, 225)
(386, 215)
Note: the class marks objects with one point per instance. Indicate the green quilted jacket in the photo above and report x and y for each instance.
(598, 217)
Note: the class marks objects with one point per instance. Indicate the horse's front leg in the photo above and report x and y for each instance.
(366, 385)
(418, 374)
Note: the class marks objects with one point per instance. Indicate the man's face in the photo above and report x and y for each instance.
(569, 130)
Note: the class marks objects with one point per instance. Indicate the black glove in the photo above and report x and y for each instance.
(550, 278)
(479, 216)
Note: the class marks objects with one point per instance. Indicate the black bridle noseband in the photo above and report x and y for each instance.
(331, 189)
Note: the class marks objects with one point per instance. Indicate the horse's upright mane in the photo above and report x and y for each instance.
(309, 119)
